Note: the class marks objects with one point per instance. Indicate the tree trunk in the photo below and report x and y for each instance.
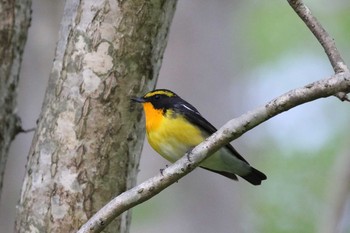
(85, 150)
(14, 23)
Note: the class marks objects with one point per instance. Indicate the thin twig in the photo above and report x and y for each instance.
(26, 130)
(339, 191)
(342, 96)
(230, 131)
(321, 34)
(18, 127)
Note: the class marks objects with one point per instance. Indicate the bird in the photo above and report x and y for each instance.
(174, 127)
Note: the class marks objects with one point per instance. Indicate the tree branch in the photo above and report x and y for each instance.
(338, 85)
(321, 35)
(230, 131)
(337, 192)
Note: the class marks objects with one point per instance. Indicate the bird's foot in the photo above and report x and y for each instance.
(188, 153)
(162, 169)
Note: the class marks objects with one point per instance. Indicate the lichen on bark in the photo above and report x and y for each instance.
(84, 152)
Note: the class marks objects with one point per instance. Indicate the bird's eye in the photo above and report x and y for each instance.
(157, 97)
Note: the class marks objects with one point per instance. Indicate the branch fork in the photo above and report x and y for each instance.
(337, 85)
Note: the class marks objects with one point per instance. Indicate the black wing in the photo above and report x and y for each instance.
(192, 115)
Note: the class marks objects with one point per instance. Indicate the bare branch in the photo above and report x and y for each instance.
(338, 85)
(342, 96)
(337, 192)
(321, 34)
(230, 131)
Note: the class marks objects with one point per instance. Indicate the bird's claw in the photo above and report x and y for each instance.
(188, 156)
(162, 169)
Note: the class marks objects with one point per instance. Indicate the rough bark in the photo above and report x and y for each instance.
(84, 152)
(337, 85)
(230, 131)
(14, 23)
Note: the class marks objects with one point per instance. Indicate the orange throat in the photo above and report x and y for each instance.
(153, 116)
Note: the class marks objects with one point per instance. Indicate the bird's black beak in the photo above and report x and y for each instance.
(138, 99)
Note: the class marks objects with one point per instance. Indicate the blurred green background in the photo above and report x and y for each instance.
(226, 57)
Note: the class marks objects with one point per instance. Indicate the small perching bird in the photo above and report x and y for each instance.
(174, 127)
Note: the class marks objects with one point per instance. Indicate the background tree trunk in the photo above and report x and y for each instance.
(14, 23)
(84, 151)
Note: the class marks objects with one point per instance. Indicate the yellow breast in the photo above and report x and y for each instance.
(171, 135)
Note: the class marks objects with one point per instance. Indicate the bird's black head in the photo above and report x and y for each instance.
(159, 98)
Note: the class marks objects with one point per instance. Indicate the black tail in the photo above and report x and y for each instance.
(255, 176)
